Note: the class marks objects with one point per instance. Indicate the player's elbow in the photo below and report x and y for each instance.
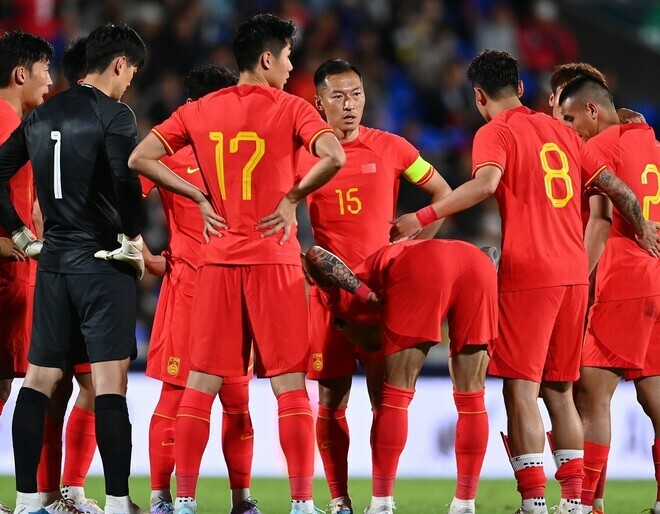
(134, 159)
(337, 158)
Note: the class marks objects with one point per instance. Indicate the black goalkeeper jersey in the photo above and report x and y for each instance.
(78, 143)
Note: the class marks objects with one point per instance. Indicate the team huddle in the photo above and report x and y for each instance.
(577, 193)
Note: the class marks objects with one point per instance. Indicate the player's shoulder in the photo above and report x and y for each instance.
(381, 141)
(9, 119)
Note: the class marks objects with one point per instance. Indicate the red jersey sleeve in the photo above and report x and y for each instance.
(308, 124)
(599, 153)
(489, 148)
(409, 163)
(173, 132)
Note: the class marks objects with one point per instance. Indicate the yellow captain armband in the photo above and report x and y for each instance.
(419, 172)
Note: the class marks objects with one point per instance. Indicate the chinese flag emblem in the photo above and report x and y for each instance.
(317, 361)
(173, 365)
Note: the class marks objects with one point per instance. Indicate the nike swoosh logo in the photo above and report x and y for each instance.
(167, 443)
(325, 446)
(245, 437)
(192, 170)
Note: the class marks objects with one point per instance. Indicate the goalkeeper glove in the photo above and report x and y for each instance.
(129, 252)
(27, 241)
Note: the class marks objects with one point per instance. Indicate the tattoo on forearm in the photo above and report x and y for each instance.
(623, 199)
(328, 270)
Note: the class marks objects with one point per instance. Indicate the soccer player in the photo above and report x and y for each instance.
(421, 283)
(627, 287)
(534, 167)
(79, 143)
(80, 442)
(351, 217)
(24, 80)
(250, 288)
(169, 348)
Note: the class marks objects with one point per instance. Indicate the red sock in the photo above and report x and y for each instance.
(192, 433)
(531, 482)
(237, 433)
(471, 441)
(161, 436)
(389, 434)
(297, 441)
(600, 487)
(595, 460)
(79, 446)
(570, 476)
(50, 464)
(333, 440)
(655, 450)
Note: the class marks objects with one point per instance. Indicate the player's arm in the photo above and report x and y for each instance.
(155, 264)
(630, 116)
(8, 250)
(145, 160)
(438, 189)
(482, 186)
(598, 228)
(624, 200)
(13, 155)
(332, 158)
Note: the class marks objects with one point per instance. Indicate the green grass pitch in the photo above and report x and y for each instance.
(413, 496)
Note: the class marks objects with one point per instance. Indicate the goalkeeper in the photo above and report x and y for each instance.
(395, 302)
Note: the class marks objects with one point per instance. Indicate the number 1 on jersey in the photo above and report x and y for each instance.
(56, 136)
(259, 151)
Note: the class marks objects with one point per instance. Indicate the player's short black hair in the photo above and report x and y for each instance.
(207, 79)
(495, 72)
(590, 89)
(110, 41)
(333, 67)
(74, 61)
(564, 73)
(18, 48)
(262, 32)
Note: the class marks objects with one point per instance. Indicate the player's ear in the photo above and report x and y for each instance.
(480, 96)
(120, 64)
(318, 103)
(551, 99)
(592, 110)
(265, 60)
(521, 88)
(19, 75)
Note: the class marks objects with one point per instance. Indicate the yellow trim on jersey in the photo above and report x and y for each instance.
(162, 139)
(488, 163)
(417, 170)
(315, 137)
(593, 177)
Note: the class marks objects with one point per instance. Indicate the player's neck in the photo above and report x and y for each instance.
(252, 78)
(608, 118)
(102, 82)
(345, 136)
(12, 97)
(505, 104)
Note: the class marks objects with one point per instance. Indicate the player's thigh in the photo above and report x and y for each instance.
(277, 311)
(652, 357)
(332, 355)
(14, 329)
(106, 304)
(525, 323)
(220, 341)
(563, 360)
(402, 368)
(55, 321)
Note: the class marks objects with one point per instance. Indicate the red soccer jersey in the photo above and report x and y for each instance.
(183, 217)
(545, 166)
(626, 271)
(21, 192)
(245, 138)
(350, 214)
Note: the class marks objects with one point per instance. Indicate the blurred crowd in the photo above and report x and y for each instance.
(412, 55)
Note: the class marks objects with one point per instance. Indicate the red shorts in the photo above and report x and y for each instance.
(237, 308)
(15, 326)
(332, 354)
(418, 298)
(612, 342)
(540, 334)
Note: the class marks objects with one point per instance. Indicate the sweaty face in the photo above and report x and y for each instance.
(280, 68)
(580, 116)
(342, 99)
(37, 82)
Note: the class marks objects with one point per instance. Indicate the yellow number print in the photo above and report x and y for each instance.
(349, 201)
(650, 199)
(259, 151)
(554, 173)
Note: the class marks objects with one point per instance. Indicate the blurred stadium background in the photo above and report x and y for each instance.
(413, 54)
